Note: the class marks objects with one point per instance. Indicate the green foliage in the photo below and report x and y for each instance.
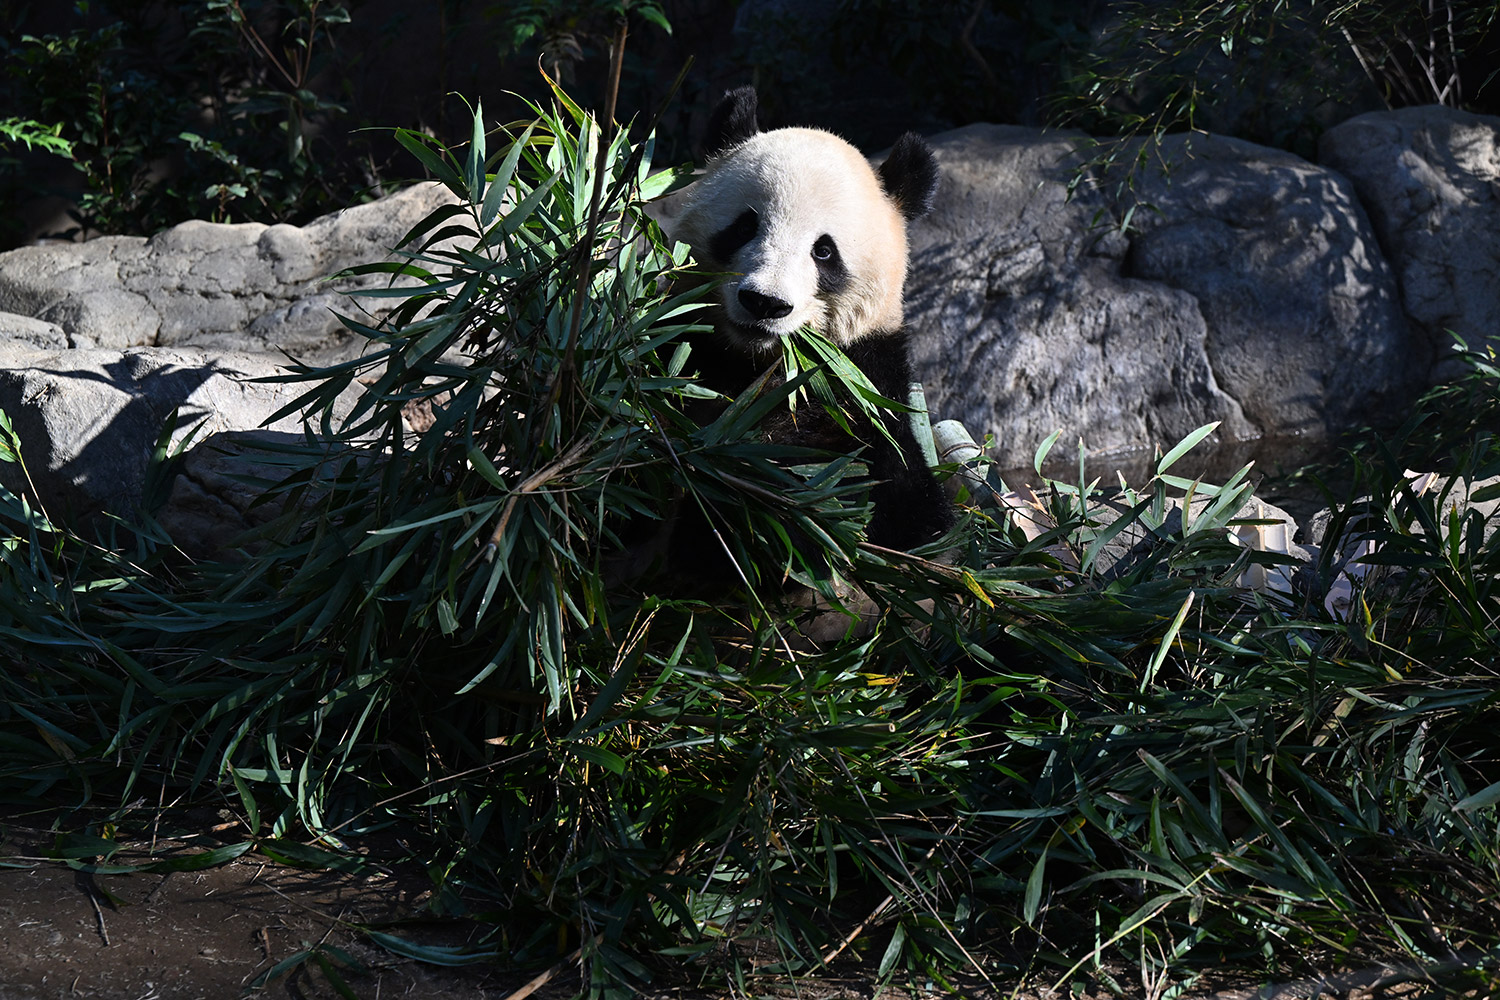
(555, 23)
(1269, 70)
(187, 110)
(325, 958)
(116, 119)
(304, 29)
(34, 135)
(1061, 751)
(241, 110)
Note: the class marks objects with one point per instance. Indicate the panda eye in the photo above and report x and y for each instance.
(727, 241)
(833, 275)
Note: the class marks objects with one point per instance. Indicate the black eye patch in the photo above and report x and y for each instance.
(833, 276)
(723, 244)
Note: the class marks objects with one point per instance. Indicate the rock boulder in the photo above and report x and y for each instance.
(1217, 280)
(88, 420)
(1430, 179)
(245, 288)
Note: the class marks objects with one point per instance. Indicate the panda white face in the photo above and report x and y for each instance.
(807, 234)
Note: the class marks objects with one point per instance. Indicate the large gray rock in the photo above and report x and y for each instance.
(36, 332)
(218, 492)
(1022, 321)
(1305, 326)
(1247, 289)
(1430, 179)
(245, 287)
(88, 419)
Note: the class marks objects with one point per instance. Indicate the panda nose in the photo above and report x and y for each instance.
(763, 306)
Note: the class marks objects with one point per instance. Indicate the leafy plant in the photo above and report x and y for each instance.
(116, 119)
(1075, 744)
(303, 31)
(558, 28)
(161, 124)
(1267, 70)
(34, 135)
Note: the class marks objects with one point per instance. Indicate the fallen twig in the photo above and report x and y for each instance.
(859, 929)
(99, 912)
(545, 977)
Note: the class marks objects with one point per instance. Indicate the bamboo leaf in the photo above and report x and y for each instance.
(500, 184)
(1482, 799)
(1044, 449)
(419, 146)
(452, 956)
(474, 162)
(1032, 900)
(892, 953)
(1184, 446)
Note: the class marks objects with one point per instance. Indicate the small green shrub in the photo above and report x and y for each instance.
(33, 135)
(185, 110)
(1273, 72)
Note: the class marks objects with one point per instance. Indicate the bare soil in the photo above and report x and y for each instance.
(209, 935)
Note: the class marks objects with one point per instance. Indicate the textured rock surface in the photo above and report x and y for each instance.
(88, 419)
(1022, 322)
(213, 497)
(243, 287)
(1304, 324)
(1248, 290)
(26, 330)
(1430, 179)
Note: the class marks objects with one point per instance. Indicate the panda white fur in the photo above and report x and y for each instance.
(809, 234)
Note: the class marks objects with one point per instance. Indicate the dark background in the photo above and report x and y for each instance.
(128, 80)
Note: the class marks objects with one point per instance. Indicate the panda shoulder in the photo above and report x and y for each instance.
(885, 358)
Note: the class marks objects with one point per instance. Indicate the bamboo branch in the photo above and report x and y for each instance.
(601, 155)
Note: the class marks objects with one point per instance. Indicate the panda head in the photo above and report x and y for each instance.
(807, 232)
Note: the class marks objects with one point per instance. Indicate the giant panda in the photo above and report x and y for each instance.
(808, 234)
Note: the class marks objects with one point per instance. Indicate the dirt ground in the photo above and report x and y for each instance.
(208, 935)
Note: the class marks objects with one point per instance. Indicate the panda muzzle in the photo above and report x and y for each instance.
(763, 307)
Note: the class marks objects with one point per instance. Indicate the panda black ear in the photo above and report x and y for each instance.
(732, 121)
(910, 175)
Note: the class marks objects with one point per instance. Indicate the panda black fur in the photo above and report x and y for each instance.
(811, 235)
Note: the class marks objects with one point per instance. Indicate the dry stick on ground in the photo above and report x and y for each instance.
(89, 887)
(103, 931)
(884, 904)
(545, 977)
(859, 929)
